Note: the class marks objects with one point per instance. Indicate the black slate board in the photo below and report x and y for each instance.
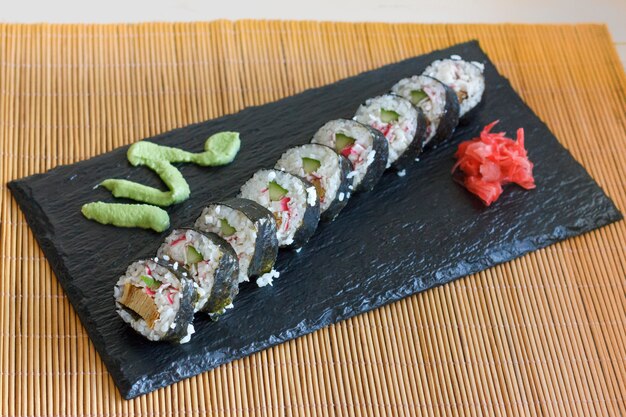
(412, 233)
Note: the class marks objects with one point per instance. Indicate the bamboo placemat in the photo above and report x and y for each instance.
(542, 335)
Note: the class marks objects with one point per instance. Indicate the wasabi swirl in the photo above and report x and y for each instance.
(127, 215)
(219, 149)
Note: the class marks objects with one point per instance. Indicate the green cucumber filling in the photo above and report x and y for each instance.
(310, 165)
(417, 96)
(276, 191)
(227, 229)
(152, 283)
(342, 141)
(193, 256)
(388, 116)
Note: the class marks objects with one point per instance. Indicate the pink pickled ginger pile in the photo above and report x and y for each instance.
(489, 162)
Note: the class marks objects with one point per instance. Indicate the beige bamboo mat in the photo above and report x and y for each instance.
(542, 335)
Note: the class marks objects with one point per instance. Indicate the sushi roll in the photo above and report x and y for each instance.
(212, 264)
(438, 102)
(465, 78)
(250, 229)
(292, 200)
(400, 122)
(365, 147)
(157, 300)
(326, 170)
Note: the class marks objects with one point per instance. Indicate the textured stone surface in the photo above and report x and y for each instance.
(410, 234)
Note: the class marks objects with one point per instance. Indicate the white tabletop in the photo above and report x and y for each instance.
(611, 12)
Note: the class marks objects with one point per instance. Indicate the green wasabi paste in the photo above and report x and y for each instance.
(178, 187)
(219, 149)
(127, 215)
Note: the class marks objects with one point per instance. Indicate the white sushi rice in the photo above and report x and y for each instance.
(433, 105)
(267, 278)
(170, 289)
(327, 177)
(289, 211)
(361, 154)
(465, 78)
(203, 272)
(243, 240)
(399, 133)
(190, 330)
(311, 196)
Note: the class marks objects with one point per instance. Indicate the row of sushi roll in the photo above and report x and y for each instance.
(200, 269)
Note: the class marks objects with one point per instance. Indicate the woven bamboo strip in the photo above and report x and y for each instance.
(542, 335)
